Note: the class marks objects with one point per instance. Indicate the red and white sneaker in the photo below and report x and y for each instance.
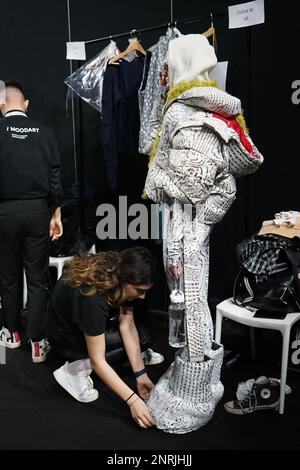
(9, 339)
(40, 350)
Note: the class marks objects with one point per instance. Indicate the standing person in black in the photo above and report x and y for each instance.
(30, 199)
(77, 323)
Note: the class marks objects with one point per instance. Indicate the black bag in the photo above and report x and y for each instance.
(280, 291)
(69, 244)
(275, 294)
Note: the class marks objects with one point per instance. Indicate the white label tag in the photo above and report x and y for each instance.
(2, 92)
(76, 51)
(219, 74)
(246, 14)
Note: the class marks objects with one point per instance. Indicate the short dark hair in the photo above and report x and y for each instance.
(15, 84)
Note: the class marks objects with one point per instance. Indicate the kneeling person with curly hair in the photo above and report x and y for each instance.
(77, 320)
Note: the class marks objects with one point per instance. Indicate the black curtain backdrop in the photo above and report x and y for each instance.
(263, 64)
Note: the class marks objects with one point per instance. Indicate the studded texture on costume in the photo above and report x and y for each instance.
(182, 400)
(150, 93)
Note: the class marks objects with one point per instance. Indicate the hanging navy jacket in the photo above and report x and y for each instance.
(120, 121)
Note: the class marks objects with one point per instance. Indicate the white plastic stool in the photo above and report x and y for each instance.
(92, 250)
(58, 263)
(242, 315)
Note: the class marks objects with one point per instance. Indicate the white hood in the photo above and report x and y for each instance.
(190, 57)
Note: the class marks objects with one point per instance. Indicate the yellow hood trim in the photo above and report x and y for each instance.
(179, 89)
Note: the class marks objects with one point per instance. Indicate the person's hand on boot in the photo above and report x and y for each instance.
(144, 385)
(140, 412)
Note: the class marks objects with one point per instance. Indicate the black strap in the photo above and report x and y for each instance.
(130, 397)
(139, 372)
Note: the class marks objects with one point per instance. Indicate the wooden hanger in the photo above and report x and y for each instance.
(211, 32)
(134, 46)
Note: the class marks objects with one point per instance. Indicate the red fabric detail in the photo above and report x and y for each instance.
(233, 124)
(37, 349)
(16, 336)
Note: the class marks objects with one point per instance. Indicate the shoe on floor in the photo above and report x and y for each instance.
(151, 357)
(80, 386)
(10, 339)
(40, 350)
(254, 395)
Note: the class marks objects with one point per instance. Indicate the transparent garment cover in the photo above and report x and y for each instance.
(87, 81)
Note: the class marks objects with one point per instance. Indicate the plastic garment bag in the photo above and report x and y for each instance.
(87, 81)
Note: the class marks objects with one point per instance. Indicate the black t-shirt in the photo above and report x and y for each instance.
(71, 314)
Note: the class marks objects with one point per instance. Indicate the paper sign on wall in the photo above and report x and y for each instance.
(76, 51)
(219, 74)
(2, 92)
(246, 14)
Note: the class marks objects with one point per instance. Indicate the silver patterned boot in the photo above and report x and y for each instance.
(182, 400)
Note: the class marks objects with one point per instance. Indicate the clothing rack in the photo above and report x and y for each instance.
(132, 33)
(127, 34)
(195, 19)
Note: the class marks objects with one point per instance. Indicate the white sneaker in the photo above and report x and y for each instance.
(151, 357)
(9, 339)
(40, 350)
(80, 386)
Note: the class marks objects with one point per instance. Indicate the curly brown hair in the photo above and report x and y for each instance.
(106, 272)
